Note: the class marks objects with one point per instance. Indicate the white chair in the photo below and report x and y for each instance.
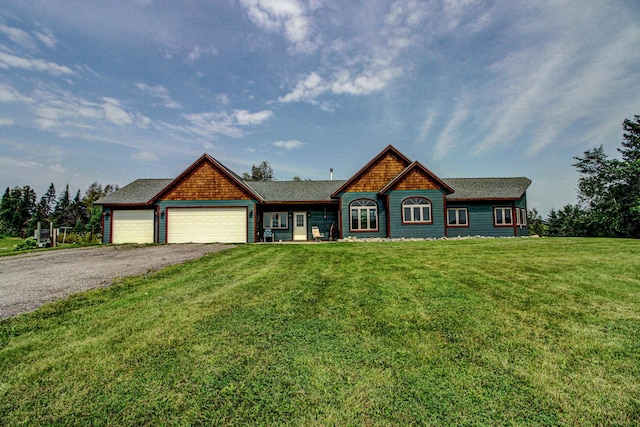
(317, 235)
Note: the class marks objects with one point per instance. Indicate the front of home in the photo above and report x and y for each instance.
(391, 196)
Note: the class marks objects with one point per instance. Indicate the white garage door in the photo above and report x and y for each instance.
(207, 225)
(132, 226)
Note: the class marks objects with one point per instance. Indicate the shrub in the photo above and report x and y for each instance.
(30, 243)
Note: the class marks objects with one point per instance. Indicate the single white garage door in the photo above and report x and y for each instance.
(132, 226)
(207, 225)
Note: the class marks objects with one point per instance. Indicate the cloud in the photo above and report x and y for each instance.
(6, 122)
(145, 156)
(289, 145)
(198, 52)
(115, 114)
(11, 61)
(213, 123)
(159, 92)
(18, 36)
(366, 64)
(244, 117)
(288, 17)
(10, 94)
(47, 38)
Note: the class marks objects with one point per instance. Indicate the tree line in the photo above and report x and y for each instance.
(20, 211)
(608, 194)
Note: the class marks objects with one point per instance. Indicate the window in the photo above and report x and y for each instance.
(417, 210)
(521, 217)
(275, 219)
(502, 216)
(457, 217)
(364, 215)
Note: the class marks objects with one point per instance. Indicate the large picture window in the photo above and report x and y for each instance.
(416, 210)
(364, 215)
(458, 217)
(275, 219)
(503, 216)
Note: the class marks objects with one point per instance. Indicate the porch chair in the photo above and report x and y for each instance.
(268, 234)
(317, 235)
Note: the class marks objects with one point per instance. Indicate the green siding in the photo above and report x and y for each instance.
(249, 204)
(398, 229)
(345, 201)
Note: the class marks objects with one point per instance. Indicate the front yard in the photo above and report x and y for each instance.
(493, 332)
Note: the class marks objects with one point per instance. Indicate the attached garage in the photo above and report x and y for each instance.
(132, 226)
(207, 225)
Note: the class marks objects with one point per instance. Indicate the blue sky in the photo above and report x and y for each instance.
(118, 90)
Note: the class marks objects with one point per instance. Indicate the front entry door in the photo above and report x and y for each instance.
(299, 226)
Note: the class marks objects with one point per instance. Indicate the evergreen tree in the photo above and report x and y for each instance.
(16, 208)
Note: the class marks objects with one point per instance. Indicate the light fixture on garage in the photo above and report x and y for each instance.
(162, 214)
(106, 215)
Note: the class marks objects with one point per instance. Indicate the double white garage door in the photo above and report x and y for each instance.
(184, 225)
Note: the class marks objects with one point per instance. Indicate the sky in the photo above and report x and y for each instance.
(109, 92)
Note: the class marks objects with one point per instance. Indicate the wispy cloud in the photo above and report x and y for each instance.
(18, 36)
(11, 61)
(10, 94)
(289, 145)
(363, 67)
(289, 17)
(159, 92)
(210, 124)
(198, 52)
(6, 122)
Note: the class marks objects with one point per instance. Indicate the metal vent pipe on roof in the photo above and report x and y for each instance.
(331, 174)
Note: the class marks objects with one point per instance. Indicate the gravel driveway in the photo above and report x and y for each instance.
(30, 280)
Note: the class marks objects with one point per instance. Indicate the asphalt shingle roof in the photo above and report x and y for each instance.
(295, 191)
(487, 188)
(139, 192)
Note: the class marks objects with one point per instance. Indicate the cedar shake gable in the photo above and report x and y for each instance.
(416, 177)
(376, 174)
(207, 179)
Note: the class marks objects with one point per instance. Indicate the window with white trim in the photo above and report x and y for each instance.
(416, 210)
(521, 217)
(275, 219)
(457, 217)
(503, 216)
(364, 215)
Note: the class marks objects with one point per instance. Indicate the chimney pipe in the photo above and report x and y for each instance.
(331, 173)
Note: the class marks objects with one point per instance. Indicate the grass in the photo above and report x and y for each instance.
(8, 244)
(478, 332)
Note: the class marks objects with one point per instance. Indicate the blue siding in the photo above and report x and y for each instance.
(345, 201)
(106, 232)
(320, 216)
(398, 229)
(249, 204)
(481, 221)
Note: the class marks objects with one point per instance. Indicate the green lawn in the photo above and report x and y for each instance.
(482, 332)
(8, 244)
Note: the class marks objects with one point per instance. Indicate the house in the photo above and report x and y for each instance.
(391, 196)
